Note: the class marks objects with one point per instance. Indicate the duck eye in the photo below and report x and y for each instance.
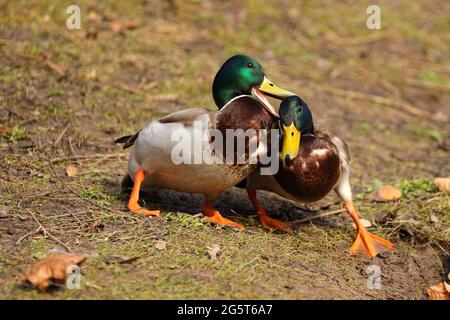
(250, 65)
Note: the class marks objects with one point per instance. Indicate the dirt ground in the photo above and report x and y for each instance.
(65, 95)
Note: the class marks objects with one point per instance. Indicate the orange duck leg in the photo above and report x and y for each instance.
(267, 222)
(366, 243)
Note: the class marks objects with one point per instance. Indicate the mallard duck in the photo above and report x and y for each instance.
(239, 90)
(312, 163)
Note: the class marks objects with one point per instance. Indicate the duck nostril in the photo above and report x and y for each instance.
(271, 84)
(287, 160)
(292, 134)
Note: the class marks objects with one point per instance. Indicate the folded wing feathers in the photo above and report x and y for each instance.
(128, 141)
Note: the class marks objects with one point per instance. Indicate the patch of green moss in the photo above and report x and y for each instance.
(18, 133)
(417, 187)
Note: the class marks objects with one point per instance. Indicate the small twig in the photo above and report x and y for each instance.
(54, 67)
(442, 248)
(421, 84)
(318, 216)
(234, 212)
(63, 132)
(91, 285)
(433, 199)
(28, 162)
(26, 235)
(100, 160)
(73, 215)
(121, 86)
(88, 156)
(30, 198)
(45, 231)
(126, 88)
(71, 147)
(128, 260)
(358, 40)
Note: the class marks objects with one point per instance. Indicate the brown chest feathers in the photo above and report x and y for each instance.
(243, 114)
(314, 172)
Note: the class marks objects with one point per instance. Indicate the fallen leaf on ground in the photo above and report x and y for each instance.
(71, 170)
(213, 251)
(161, 245)
(443, 184)
(439, 292)
(91, 74)
(52, 268)
(3, 212)
(4, 129)
(93, 16)
(387, 193)
(122, 26)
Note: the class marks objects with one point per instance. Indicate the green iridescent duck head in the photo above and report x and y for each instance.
(243, 75)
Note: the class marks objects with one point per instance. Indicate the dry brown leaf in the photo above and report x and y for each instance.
(122, 26)
(54, 267)
(438, 292)
(161, 245)
(71, 170)
(4, 129)
(4, 212)
(93, 16)
(443, 184)
(213, 251)
(91, 74)
(387, 193)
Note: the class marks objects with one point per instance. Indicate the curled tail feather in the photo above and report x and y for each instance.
(127, 141)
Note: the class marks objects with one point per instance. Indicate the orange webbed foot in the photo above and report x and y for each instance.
(144, 212)
(366, 243)
(369, 244)
(214, 216)
(267, 222)
(271, 223)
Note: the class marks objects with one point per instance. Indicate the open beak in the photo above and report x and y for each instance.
(269, 88)
(273, 90)
(291, 142)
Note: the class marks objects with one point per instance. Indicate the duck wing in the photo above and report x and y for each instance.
(185, 117)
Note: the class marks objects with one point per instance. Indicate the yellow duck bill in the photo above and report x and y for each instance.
(269, 88)
(291, 142)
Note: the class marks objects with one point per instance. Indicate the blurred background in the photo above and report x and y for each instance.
(65, 95)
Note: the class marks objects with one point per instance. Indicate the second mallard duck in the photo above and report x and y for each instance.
(312, 164)
(239, 91)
